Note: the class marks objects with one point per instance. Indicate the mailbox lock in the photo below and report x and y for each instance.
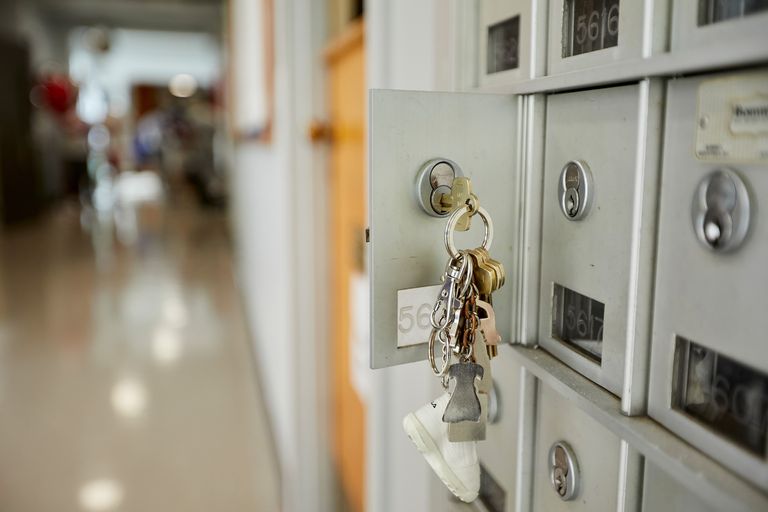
(434, 184)
(563, 471)
(575, 190)
(721, 211)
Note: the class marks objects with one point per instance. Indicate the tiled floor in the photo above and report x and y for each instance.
(126, 379)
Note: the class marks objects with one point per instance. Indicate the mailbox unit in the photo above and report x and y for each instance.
(713, 26)
(709, 376)
(585, 34)
(627, 197)
(593, 450)
(595, 266)
(511, 39)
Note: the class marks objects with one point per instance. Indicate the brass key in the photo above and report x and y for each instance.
(461, 193)
(483, 276)
(496, 266)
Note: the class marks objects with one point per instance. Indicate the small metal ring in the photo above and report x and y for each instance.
(451, 226)
(431, 355)
(467, 269)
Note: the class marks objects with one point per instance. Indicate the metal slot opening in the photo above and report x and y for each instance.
(715, 11)
(722, 394)
(577, 321)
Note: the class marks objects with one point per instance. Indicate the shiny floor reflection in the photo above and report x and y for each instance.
(126, 380)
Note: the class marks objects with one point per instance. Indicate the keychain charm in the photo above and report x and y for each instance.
(463, 404)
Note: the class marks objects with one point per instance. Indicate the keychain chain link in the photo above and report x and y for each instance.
(454, 317)
(447, 314)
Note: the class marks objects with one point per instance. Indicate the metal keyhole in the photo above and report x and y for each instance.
(575, 190)
(721, 211)
(564, 471)
(571, 202)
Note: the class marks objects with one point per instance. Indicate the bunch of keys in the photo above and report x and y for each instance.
(463, 323)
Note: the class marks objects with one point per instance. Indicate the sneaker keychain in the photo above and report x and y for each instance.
(447, 429)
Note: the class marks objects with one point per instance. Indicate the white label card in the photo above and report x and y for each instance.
(414, 307)
(733, 119)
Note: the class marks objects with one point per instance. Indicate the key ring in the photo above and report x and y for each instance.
(446, 357)
(454, 219)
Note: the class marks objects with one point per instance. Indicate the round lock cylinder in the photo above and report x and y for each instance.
(721, 211)
(433, 183)
(575, 190)
(563, 471)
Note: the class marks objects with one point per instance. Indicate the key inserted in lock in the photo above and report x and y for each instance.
(721, 211)
(441, 188)
(575, 190)
(434, 184)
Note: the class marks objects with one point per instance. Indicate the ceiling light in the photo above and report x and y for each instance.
(183, 85)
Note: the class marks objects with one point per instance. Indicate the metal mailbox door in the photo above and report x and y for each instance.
(596, 262)
(511, 41)
(498, 453)
(587, 469)
(479, 133)
(662, 492)
(714, 26)
(587, 33)
(709, 367)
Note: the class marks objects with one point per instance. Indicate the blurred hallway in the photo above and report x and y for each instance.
(131, 387)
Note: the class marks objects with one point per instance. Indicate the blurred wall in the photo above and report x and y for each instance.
(45, 36)
(279, 190)
(30, 171)
(278, 216)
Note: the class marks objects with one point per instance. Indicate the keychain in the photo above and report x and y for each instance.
(461, 345)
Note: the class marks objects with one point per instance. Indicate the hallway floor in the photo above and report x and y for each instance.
(126, 376)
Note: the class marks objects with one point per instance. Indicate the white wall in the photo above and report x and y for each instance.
(261, 185)
(278, 213)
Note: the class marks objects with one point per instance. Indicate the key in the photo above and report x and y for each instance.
(488, 328)
(475, 430)
(464, 404)
(461, 192)
(483, 276)
(496, 266)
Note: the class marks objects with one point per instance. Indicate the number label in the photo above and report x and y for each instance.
(414, 308)
(577, 320)
(590, 25)
(722, 393)
(503, 45)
